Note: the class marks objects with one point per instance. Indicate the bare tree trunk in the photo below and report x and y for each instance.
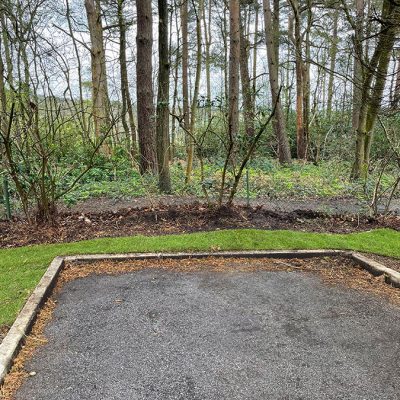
(101, 104)
(386, 46)
(255, 49)
(3, 100)
(306, 79)
(273, 68)
(132, 124)
(185, 77)
(288, 85)
(7, 52)
(248, 98)
(333, 54)
(396, 91)
(357, 64)
(193, 108)
(129, 126)
(174, 66)
(164, 179)
(122, 65)
(276, 28)
(234, 60)
(144, 87)
(302, 140)
(233, 94)
(224, 32)
(174, 106)
(373, 87)
(83, 119)
(207, 38)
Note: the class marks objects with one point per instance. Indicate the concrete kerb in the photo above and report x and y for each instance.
(375, 268)
(200, 255)
(22, 325)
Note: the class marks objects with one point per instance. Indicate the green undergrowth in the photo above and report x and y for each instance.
(21, 268)
(266, 178)
(117, 179)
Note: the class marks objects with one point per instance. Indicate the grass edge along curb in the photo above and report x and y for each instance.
(21, 268)
(25, 319)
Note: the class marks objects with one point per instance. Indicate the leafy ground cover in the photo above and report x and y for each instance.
(116, 178)
(266, 178)
(21, 268)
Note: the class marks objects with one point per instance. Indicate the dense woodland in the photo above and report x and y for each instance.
(182, 90)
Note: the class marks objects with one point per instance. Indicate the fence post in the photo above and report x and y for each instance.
(248, 187)
(6, 197)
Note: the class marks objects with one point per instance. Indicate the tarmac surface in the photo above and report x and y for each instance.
(206, 335)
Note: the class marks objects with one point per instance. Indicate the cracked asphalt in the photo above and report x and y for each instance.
(166, 335)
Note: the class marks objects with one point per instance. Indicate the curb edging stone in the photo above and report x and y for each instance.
(22, 325)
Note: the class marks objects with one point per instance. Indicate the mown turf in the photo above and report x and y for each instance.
(21, 268)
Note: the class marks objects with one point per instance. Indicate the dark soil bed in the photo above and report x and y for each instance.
(181, 218)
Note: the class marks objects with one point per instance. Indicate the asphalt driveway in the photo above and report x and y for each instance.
(206, 335)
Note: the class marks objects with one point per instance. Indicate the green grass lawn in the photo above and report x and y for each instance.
(21, 268)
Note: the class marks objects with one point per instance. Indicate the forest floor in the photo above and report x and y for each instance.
(103, 217)
(329, 205)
